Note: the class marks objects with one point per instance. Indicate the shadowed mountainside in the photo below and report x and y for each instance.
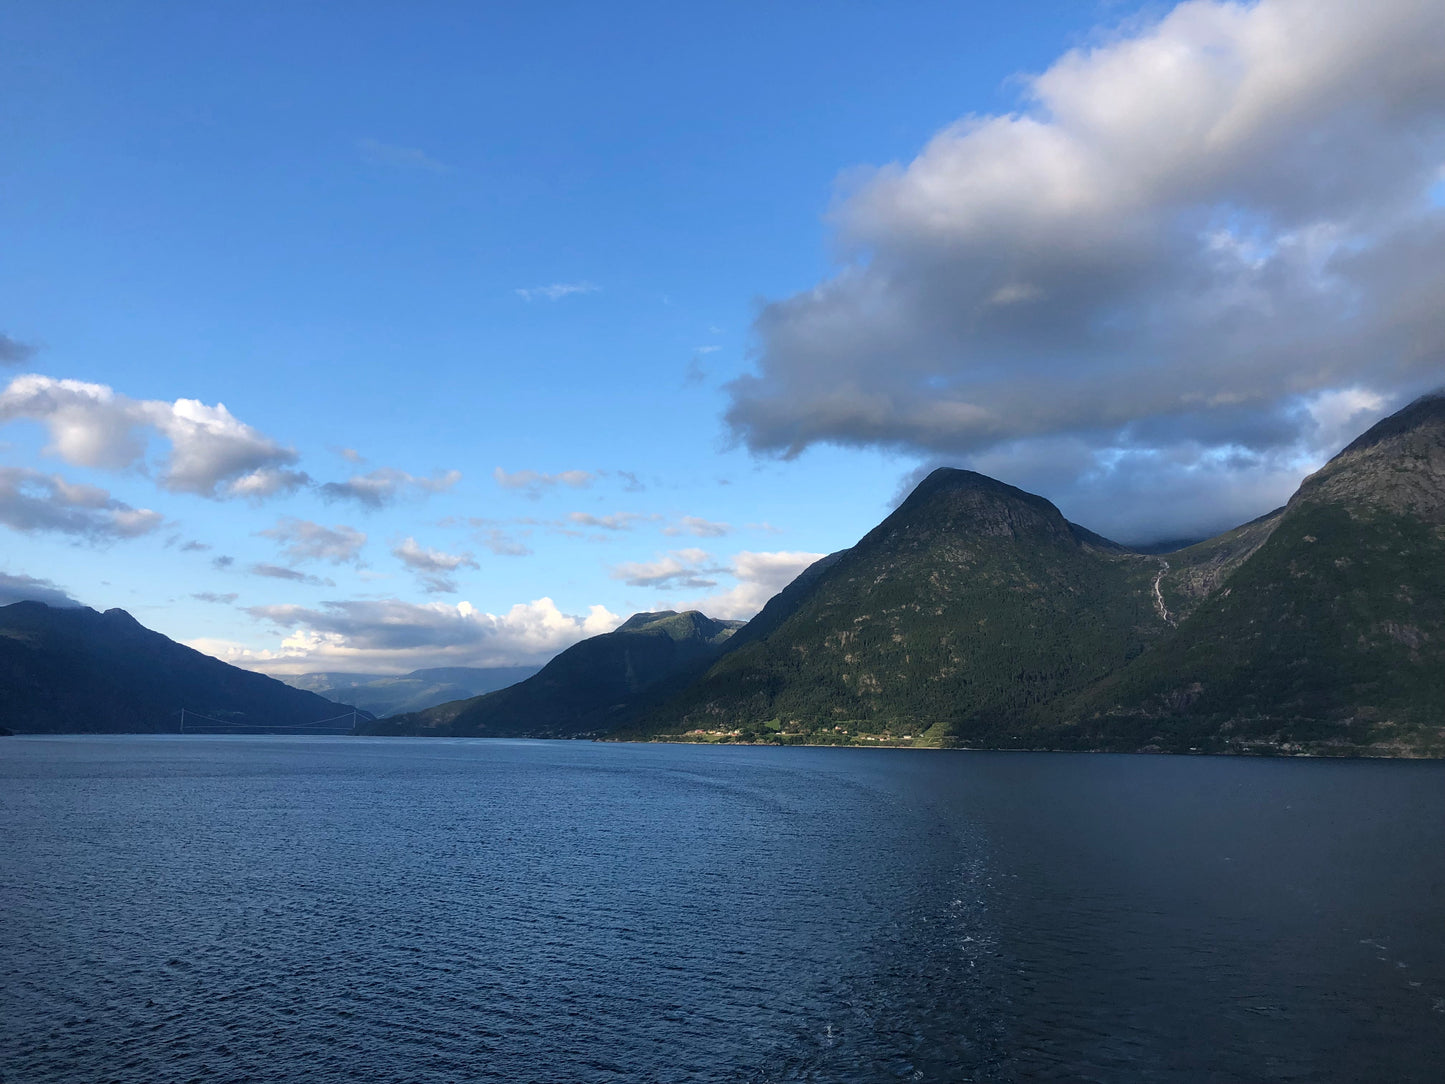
(75, 670)
(586, 688)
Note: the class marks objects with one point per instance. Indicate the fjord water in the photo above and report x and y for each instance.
(297, 909)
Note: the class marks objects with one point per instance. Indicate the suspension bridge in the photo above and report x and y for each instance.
(193, 722)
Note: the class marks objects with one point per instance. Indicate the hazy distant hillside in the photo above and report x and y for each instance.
(383, 694)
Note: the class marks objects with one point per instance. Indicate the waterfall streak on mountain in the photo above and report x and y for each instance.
(1159, 595)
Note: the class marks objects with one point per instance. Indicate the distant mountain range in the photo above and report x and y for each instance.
(974, 616)
(68, 670)
(589, 688)
(382, 694)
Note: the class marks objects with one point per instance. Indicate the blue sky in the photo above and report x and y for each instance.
(612, 308)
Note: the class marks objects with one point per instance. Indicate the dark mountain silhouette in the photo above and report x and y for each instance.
(76, 670)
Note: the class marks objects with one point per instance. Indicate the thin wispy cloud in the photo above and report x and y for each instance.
(503, 543)
(15, 352)
(699, 527)
(291, 575)
(556, 291)
(614, 521)
(386, 485)
(377, 153)
(532, 483)
(303, 540)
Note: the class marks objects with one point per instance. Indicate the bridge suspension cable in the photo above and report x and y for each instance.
(209, 723)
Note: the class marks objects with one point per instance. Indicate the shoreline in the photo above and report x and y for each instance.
(1259, 754)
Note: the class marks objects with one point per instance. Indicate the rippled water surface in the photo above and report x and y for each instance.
(311, 909)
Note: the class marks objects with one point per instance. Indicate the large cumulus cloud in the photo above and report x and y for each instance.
(211, 452)
(1188, 238)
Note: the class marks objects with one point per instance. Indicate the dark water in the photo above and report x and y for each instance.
(232, 909)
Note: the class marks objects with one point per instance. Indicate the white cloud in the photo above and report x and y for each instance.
(302, 540)
(33, 501)
(1186, 233)
(432, 566)
(760, 576)
(532, 483)
(616, 521)
(680, 568)
(385, 485)
(557, 291)
(391, 636)
(421, 559)
(212, 454)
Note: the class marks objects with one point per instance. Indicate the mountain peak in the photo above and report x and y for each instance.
(642, 620)
(1398, 464)
(976, 505)
(1425, 413)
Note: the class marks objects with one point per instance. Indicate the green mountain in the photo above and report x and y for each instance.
(1329, 637)
(75, 670)
(976, 615)
(970, 605)
(395, 694)
(587, 688)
